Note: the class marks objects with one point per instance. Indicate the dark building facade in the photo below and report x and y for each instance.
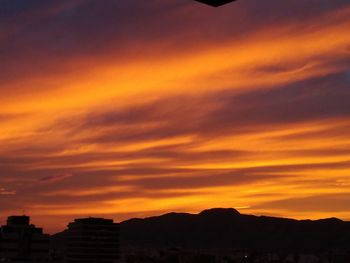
(22, 242)
(92, 240)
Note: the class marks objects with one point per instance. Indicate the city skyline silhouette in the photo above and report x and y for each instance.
(214, 235)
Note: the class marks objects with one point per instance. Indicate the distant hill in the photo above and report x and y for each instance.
(227, 228)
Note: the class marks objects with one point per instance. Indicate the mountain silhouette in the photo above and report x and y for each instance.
(227, 228)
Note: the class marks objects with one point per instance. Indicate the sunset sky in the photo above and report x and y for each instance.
(133, 108)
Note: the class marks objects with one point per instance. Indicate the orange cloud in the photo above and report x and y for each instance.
(257, 120)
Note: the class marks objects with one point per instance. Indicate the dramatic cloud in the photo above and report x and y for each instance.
(134, 108)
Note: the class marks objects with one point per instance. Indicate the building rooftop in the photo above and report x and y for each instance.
(18, 220)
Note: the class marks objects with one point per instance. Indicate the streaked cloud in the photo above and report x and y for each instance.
(104, 108)
(3, 191)
(55, 178)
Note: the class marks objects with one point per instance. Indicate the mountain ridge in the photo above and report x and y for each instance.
(214, 211)
(227, 228)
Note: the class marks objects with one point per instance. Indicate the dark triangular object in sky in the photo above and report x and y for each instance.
(215, 3)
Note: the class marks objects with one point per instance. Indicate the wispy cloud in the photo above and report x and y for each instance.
(3, 191)
(104, 108)
(55, 178)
